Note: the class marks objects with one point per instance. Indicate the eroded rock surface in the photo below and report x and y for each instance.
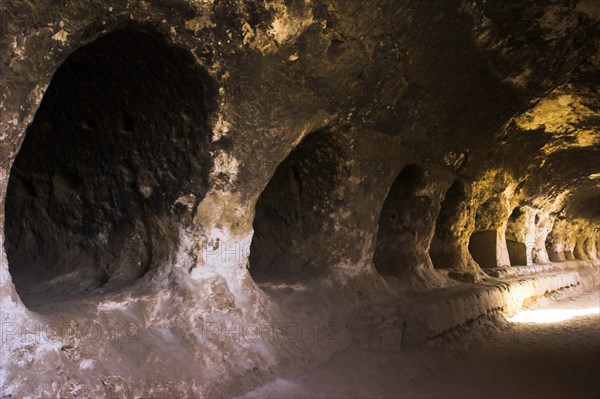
(218, 186)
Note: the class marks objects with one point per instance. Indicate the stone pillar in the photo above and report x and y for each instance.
(555, 241)
(543, 226)
(569, 242)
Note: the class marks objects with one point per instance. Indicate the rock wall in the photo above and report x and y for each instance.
(196, 194)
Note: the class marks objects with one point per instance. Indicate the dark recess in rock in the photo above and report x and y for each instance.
(404, 218)
(294, 212)
(449, 224)
(515, 240)
(91, 193)
(483, 240)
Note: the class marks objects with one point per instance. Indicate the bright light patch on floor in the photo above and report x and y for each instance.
(551, 315)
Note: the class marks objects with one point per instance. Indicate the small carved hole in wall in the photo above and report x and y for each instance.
(89, 124)
(127, 123)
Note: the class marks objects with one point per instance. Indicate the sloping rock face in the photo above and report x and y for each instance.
(195, 194)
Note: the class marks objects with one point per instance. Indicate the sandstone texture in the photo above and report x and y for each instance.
(199, 196)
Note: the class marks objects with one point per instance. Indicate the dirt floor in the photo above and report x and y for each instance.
(556, 359)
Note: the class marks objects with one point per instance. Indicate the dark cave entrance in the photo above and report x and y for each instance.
(448, 227)
(121, 133)
(294, 215)
(404, 222)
